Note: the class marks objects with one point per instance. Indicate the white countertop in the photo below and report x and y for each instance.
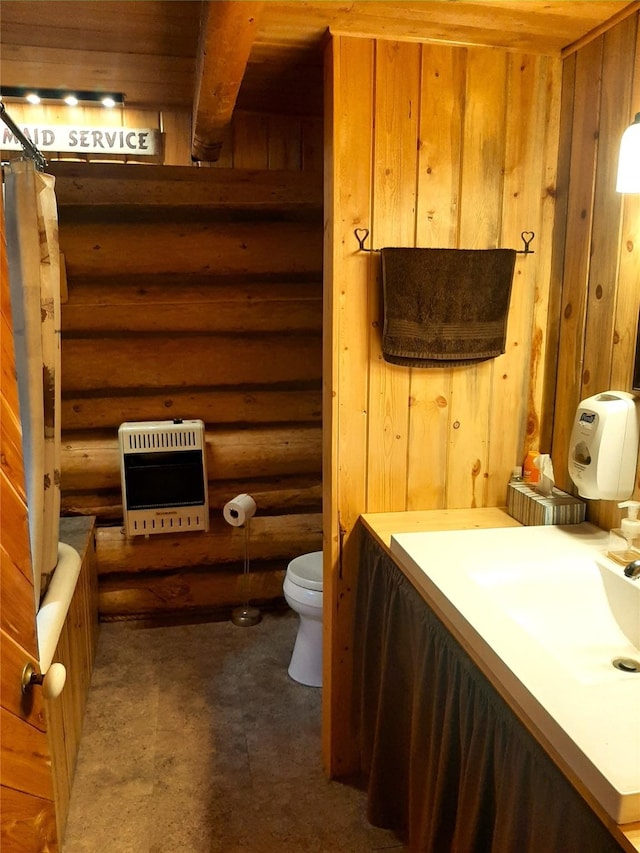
(588, 710)
(382, 525)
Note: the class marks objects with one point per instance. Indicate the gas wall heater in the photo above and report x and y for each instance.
(164, 477)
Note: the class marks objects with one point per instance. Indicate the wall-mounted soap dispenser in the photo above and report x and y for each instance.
(603, 448)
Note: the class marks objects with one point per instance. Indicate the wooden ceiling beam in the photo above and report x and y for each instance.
(227, 34)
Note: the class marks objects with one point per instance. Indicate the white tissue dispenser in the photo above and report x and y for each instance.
(528, 506)
(603, 448)
(543, 503)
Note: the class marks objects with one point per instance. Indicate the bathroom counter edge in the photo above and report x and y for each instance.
(382, 525)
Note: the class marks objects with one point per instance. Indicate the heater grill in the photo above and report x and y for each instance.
(140, 440)
(164, 478)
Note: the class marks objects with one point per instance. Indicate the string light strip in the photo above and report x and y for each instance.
(72, 97)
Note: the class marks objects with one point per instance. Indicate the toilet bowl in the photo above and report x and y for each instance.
(303, 592)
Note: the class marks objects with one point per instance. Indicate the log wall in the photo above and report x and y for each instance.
(194, 293)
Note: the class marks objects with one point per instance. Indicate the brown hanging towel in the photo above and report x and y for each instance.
(445, 307)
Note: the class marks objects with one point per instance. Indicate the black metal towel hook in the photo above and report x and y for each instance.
(527, 237)
(361, 235)
(365, 234)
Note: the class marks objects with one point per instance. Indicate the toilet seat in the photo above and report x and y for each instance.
(306, 571)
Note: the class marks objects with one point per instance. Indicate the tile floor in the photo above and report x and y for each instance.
(196, 741)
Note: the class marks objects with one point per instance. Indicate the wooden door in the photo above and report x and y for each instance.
(27, 816)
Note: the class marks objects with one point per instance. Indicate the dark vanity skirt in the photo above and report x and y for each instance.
(449, 766)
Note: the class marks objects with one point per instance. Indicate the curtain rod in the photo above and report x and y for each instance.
(27, 145)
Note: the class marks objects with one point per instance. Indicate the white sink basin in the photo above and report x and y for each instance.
(581, 609)
(547, 613)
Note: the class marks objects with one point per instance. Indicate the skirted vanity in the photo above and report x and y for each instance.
(474, 734)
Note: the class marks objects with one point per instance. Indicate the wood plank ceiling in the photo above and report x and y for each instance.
(266, 59)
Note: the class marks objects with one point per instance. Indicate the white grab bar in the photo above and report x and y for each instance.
(55, 605)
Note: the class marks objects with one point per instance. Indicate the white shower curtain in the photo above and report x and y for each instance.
(34, 276)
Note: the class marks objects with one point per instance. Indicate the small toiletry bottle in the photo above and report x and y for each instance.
(530, 472)
(624, 541)
(516, 474)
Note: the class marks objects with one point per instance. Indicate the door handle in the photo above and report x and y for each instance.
(52, 681)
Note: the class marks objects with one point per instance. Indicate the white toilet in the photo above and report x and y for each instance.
(303, 591)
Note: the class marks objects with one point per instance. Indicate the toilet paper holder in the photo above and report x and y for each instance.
(238, 512)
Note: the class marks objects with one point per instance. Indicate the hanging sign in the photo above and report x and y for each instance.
(143, 142)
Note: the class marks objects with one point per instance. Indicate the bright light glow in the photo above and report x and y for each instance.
(41, 95)
(629, 159)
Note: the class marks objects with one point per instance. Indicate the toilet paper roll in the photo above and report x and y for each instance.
(239, 509)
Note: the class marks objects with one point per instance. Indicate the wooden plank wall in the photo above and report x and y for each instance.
(429, 145)
(76, 651)
(254, 140)
(597, 272)
(27, 819)
(196, 293)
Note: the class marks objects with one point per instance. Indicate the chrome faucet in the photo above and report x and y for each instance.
(632, 570)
